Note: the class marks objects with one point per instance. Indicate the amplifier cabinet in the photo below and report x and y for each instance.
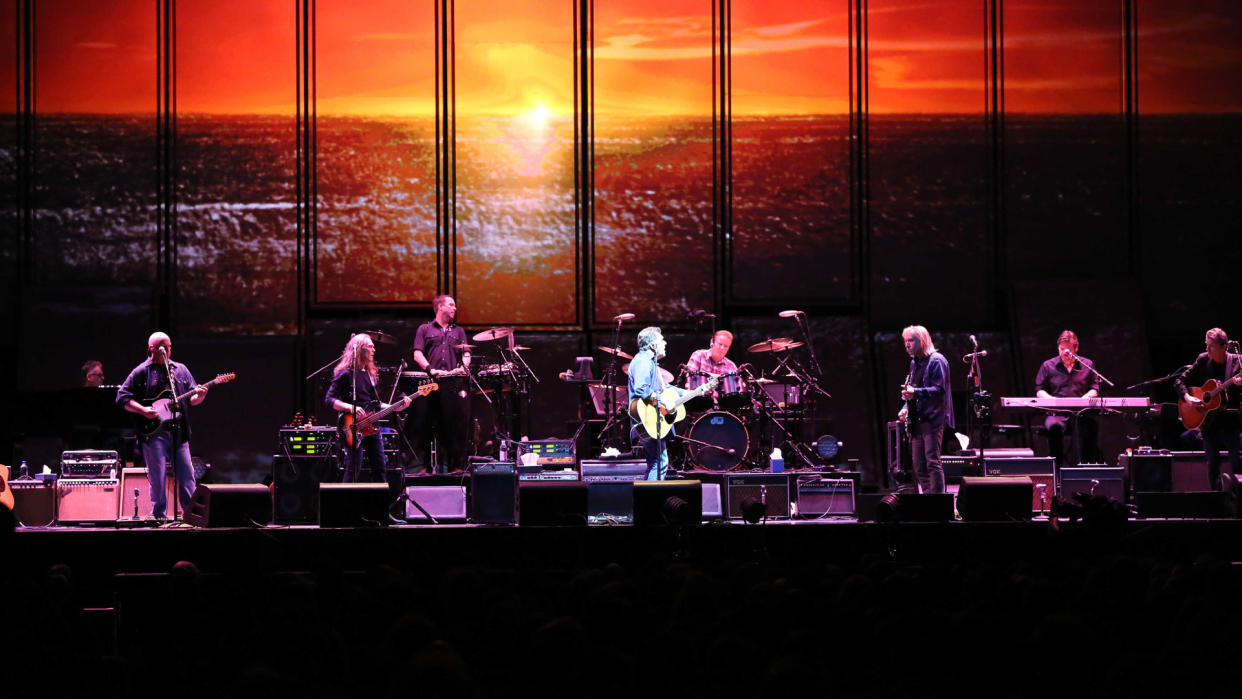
(1105, 481)
(629, 470)
(34, 502)
(771, 488)
(447, 503)
(1177, 471)
(86, 500)
(1040, 469)
(825, 496)
(135, 479)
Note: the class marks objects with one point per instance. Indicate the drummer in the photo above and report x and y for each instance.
(712, 360)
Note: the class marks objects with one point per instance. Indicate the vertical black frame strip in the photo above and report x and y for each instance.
(166, 140)
(1130, 90)
(25, 102)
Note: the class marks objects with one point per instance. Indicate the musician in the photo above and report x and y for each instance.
(929, 406)
(353, 392)
(445, 413)
(1069, 375)
(713, 360)
(1219, 430)
(92, 374)
(646, 384)
(145, 383)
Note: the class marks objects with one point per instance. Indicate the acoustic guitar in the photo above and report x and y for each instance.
(6, 493)
(1211, 395)
(669, 409)
(350, 429)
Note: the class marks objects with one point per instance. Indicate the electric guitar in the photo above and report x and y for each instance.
(1194, 416)
(149, 427)
(668, 409)
(6, 493)
(350, 429)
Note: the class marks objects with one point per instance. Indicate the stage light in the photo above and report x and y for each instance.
(678, 512)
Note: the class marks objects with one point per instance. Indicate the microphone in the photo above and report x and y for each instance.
(790, 314)
(624, 316)
(974, 342)
(980, 354)
(163, 352)
(700, 314)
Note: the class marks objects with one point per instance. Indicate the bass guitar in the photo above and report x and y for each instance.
(1195, 415)
(164, 406)
(350, 430)
(903, 415)
(658, 419)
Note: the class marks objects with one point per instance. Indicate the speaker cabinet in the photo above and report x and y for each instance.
(712, 508)
(87, 500)
(552, 503)
(655, 502)
(447, 503)
(295, 487)
(770, 488)
(353, 504)
(230, 505)
(995, 499)
(135, 480)
(493, 493)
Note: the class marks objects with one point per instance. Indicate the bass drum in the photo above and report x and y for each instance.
(724, 441)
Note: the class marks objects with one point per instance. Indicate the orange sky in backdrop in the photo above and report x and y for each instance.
(652, 56)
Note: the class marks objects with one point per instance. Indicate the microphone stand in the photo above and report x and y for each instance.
(176, 438)
(980, 402)
(609, 377)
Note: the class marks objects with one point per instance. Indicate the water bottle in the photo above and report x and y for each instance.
(776, 461)
(25, 470)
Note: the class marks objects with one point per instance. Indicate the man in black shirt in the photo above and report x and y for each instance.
(1220, 429)
(1069, 375)
(929, 407)
(439, 349)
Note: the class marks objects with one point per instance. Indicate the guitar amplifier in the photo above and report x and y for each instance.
(772, 489)
(87, 500)
(826, 496)
(1040, 469)
(88, 463)
(136, 479)
(594, 470)
(34, 502)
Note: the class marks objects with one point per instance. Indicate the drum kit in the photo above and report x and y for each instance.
(734, 427)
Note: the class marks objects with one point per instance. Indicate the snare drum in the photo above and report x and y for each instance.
(733, 394)
(695, 379)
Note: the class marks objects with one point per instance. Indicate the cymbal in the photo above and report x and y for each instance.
(379, 336)
(762, 380)
(776, 344)
(619, 353)
(493, 334)
(519, 348)
(463, 346)
(664, 373)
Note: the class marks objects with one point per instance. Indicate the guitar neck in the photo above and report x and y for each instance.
(691, 395)
(190, 392)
